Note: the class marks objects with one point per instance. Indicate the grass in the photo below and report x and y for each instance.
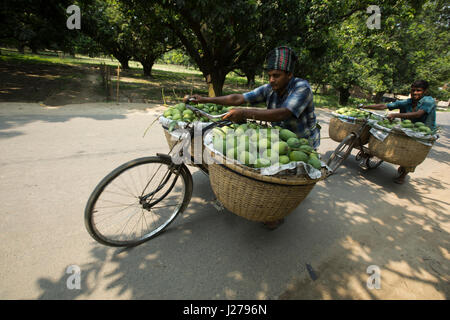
(168, 82)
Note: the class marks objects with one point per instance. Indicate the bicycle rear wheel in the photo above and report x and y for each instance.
(341, 153)
(137, 201)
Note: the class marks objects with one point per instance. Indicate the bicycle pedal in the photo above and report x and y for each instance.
(218, 205)
(363, 166)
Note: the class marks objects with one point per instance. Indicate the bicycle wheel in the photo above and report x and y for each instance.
(342, 152)
(137, 201)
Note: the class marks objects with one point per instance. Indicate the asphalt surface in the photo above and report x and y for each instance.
(52, 158)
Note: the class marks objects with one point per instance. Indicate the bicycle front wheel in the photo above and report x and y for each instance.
(137, 201)
(342, 152)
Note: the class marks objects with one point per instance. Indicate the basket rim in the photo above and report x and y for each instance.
(343, 117)
(279, 180)
(398, 132)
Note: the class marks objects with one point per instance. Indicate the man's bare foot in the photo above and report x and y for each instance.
(401, 178)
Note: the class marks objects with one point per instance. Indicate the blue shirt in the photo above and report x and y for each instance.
(298, 98)
(426, 104)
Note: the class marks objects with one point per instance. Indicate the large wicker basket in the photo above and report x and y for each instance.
(339, 129)
(256, 197)
(398, 148)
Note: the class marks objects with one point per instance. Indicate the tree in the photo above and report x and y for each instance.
(105, 23)
(374, 59)
(151, 39)
(222, 36)
(37, 24)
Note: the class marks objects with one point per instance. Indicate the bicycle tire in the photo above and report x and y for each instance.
(93, 212)
(342, 152)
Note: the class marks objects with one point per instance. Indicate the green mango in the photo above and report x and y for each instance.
(407, 124)
(284, 159)
(264, 144)
(243, 143)
(247, 158)
(181, 107)
(272, 156)
(315, 163)
(172, 125)
(304, 141)
(285, 134)
(306, 148)
(232, 153)
(281, 147)
(220, 144)
(262, 162)
(298, 156)
(419, 124)
(425, 129)
(293, 142)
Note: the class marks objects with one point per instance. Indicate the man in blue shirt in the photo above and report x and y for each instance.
(419, 107)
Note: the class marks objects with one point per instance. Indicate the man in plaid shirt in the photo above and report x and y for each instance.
(289, 100)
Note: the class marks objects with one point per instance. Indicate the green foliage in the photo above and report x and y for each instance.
(178, 57)
(411, 44)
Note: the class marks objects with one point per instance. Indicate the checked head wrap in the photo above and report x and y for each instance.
(281, 58)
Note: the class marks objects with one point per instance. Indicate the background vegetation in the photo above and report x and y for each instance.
(229, 39)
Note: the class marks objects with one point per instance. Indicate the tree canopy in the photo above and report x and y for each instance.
(334, 44)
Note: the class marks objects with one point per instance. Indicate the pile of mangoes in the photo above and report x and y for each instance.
(353, 112)
(259, 146)
(407, 124)
(179, 112)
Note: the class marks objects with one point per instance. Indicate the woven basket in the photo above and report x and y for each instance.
(399, 149)
(339, 129)
(256, 197)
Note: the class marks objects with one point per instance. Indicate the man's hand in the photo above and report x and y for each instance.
(235, 115)
(392, 116)
(192, 99)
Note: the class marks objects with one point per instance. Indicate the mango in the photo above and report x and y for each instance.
(298, 156)
(293, 142)
(284, 159)
(315, 163)
(285, 134)
(281, 147)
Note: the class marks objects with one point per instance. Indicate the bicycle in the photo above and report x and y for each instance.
(139, 199)
(353, 140)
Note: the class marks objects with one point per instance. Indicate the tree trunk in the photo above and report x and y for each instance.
(216, 79)
(123, 59)
(147, 64)
(344, 94)
(250, 80)
(21, 48)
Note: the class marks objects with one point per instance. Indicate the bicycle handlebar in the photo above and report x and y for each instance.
(360, 106)
(203, 113)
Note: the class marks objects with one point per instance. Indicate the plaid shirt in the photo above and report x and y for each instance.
(299, 100)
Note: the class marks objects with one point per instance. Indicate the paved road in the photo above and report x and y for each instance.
(52, 158)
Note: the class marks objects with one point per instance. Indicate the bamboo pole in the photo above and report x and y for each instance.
(118, 82)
